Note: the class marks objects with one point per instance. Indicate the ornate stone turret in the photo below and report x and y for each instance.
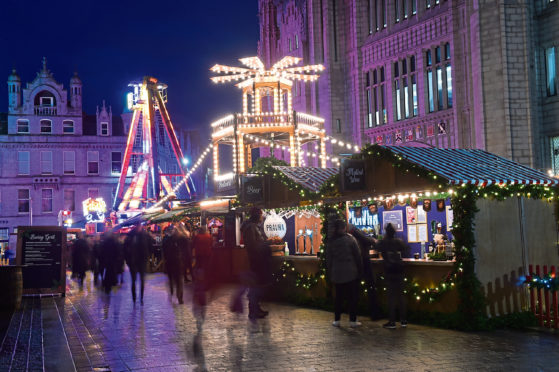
(14, 91)
(76, 91)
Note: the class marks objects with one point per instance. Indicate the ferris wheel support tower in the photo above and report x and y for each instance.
(148, 183)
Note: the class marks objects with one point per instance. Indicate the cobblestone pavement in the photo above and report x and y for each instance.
(88, 330)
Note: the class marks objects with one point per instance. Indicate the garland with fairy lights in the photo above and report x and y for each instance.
(462, 277)
(549, 281)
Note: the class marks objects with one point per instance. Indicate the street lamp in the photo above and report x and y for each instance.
(185, 161)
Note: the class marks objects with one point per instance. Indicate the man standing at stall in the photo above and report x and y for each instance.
(259, 258)
(365, 244)
(393, 249)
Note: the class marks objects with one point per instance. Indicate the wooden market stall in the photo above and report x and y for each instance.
(484, 218)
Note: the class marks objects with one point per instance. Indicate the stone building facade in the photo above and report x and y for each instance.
(445, 73)
(53, 155)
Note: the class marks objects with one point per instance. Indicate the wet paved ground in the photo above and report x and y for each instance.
(90, 331)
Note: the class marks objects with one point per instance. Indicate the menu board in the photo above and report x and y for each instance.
(393, 217)
(40, 252)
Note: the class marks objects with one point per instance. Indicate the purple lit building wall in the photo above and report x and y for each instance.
(444, 73)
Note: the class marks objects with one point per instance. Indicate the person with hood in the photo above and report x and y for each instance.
(259, 258)
(345, 267)
(365, 244)
(393, 249)
(202, 245)
(137, 248)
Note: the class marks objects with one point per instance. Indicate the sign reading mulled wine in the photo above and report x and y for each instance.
(253, 189)
(40, 251)
(275, 226)
(353, 175)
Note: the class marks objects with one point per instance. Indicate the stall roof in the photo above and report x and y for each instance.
(472, 166)
(168, 216)
(310, 178)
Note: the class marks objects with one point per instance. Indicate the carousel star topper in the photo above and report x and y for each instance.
(256, 71)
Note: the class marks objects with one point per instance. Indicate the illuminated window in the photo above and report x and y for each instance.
(551, 78)
(338, 126)
(4, 233)
(449, 85)
(46, 200)
(23, 126)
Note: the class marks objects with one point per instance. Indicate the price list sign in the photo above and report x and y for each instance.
(40, 251)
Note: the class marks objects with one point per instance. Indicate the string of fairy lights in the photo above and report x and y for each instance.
(183, 181)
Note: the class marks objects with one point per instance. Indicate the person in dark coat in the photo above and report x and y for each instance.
(137, 248)
(393, 249)
(173, 254)
(345, 267)
(109, 254)
(259, 257)
(202, 249)
(80, 259)
(365, 244)
(98, 265)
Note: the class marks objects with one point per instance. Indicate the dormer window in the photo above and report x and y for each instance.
(46, 101)
(104, 129)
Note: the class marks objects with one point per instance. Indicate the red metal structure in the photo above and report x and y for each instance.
(148, 184)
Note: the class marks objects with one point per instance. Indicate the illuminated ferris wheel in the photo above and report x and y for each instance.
(148, 183)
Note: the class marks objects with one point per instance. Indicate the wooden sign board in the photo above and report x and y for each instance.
(41, 252)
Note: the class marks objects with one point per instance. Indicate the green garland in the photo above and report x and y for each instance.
(471, 307)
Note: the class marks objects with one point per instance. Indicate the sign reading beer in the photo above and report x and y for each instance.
(275, 226)
(94, 209)
(353, 174)
(253, 190)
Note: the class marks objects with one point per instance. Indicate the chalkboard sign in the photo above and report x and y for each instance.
(352, 175)
(41, 253)
(253, 189)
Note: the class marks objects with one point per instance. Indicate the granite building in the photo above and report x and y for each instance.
(445, 73)
(53, 155)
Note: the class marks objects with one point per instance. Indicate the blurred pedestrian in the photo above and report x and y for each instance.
(137, 248)
(393, 249)
(98, 264)
(172, 253)
(259, 258)
(109, 254)
(120, 259)
(345, 266)
(202, 252)
(366, 243)
(80, 259)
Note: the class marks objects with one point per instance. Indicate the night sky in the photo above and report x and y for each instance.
(110, 43)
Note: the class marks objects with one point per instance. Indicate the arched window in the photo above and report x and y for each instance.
(46, 126)
(68, 127)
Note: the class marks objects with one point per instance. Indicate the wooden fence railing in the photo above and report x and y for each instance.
(543, 287)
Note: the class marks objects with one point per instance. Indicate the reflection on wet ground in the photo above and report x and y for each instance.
(89, 330)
